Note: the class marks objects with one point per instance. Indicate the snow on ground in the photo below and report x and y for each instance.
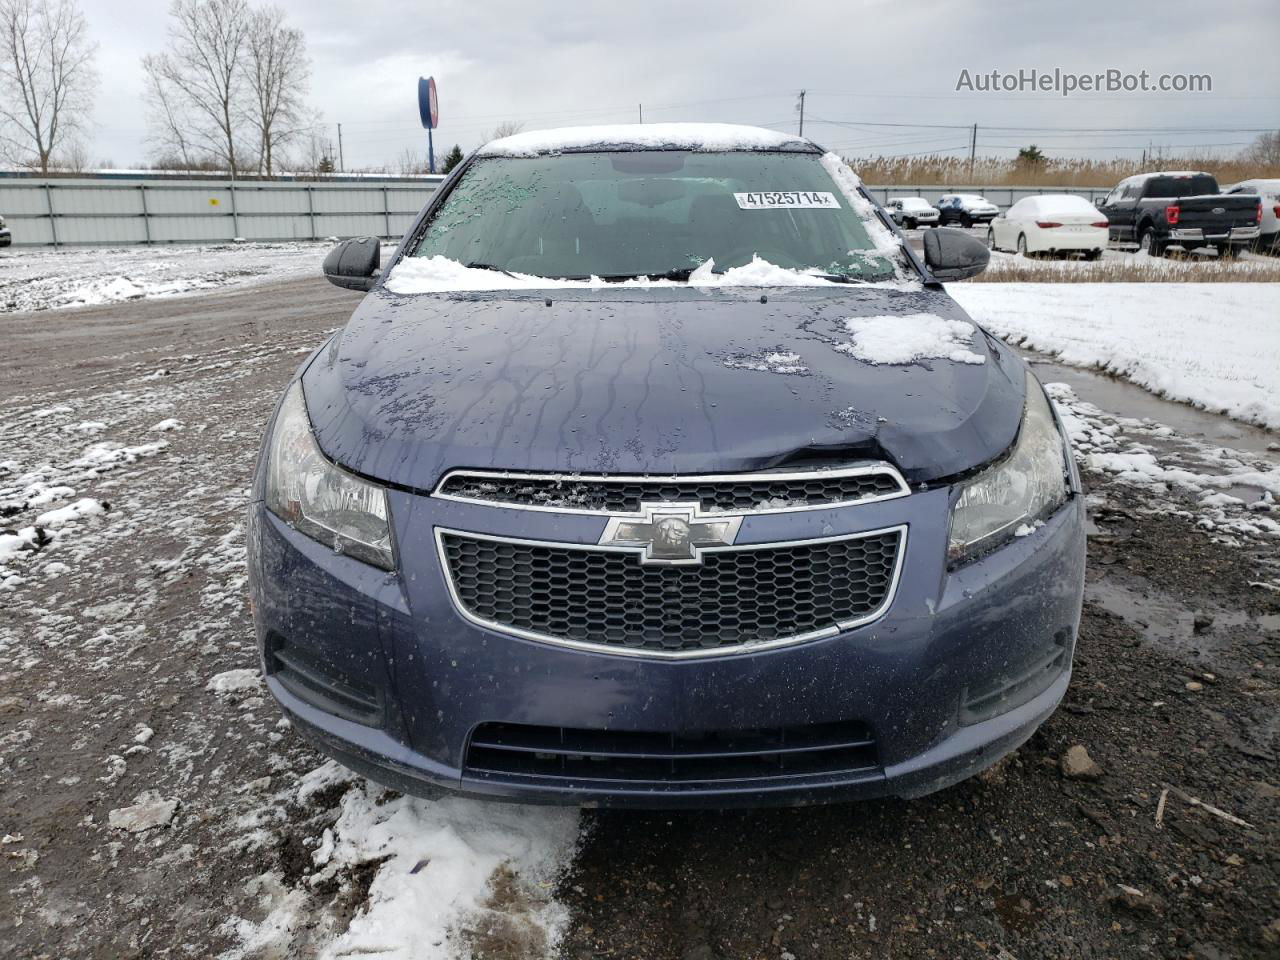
(44, 279)
(1213, 345)
(452, 875)
(1230, 494)
(413, 878)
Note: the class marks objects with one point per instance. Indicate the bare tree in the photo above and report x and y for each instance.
(279, 73)
(507, 128)
(74, 157)
(1265, 149)
(46, 78)
(196, 86)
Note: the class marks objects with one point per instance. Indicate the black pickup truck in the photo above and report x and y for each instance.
(1182, 207)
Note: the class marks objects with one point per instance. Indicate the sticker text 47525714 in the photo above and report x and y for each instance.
(787, 200)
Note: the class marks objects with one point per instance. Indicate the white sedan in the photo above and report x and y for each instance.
(1052, 223)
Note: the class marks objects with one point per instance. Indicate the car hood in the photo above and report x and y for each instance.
(649, 380)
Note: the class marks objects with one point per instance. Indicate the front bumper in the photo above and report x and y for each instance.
(962, 668)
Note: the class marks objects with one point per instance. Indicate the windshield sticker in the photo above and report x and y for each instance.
(787, 200)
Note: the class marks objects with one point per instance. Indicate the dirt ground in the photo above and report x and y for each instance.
(1168, 849)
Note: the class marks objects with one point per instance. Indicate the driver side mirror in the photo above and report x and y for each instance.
(954, 255)
(353, 264)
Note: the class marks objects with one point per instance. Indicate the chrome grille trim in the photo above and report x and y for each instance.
(602, 648)
(728, 479)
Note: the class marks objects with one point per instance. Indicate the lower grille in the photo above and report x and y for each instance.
(310, 679)
(736, 597)
(512, 751)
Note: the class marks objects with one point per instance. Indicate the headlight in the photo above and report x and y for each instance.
(319, 499)
(1026, 486)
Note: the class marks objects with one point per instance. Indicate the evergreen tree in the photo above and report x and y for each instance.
(452, 158)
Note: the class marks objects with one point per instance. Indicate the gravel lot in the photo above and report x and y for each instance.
(152, 804)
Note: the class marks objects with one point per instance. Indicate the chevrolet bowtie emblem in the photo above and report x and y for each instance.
(670, 532)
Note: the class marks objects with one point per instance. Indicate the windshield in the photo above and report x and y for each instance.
(915, 204)
(653, 213)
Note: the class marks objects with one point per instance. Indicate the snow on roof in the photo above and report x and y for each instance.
(705, 137)
(1167, 173)
(1055, 203)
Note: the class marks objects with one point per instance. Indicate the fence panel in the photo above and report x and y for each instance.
(126, 210)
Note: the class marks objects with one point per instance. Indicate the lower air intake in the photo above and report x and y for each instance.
(507, 751)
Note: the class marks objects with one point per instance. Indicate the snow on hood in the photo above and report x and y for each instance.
(702, 137)
(910, 338)
(442, 275)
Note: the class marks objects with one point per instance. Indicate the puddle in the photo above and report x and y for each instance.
(1166, 622)
(1123, 399)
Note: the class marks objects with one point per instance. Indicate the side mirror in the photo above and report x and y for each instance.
(353, 264)
(954, 255)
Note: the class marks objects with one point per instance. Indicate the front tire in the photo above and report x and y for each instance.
(909, 224)
(991, 239)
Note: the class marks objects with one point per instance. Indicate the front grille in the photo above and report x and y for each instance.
(759, 492)
(513, 751)
(735, 597)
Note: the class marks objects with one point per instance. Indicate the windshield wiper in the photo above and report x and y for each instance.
(476, 265)
(675, 273)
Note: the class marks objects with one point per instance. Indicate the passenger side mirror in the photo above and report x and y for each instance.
(954, 255)
(353, 264)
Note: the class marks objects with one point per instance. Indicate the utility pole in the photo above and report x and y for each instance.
(801, 113)
(641, 113)
(340, 163)
(973, 149)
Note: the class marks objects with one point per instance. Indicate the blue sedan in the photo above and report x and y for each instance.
(656, 470)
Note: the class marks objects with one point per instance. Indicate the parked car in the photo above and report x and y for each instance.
(1268, 191)
(588, 521)
(912, 212)
(6, 237)
(966, 209)
(1154, 210)
(1051, 223)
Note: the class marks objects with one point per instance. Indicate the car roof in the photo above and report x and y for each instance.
(705, 137)
(1139, 177)
(1057, 202)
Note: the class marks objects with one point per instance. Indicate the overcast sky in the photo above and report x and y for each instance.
(862, 62)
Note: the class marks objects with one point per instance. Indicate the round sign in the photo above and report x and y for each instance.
(428, 104)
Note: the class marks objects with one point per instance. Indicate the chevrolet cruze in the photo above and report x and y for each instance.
(655, 469)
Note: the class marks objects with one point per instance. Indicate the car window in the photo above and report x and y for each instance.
(1180, 186)
(628, 213)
